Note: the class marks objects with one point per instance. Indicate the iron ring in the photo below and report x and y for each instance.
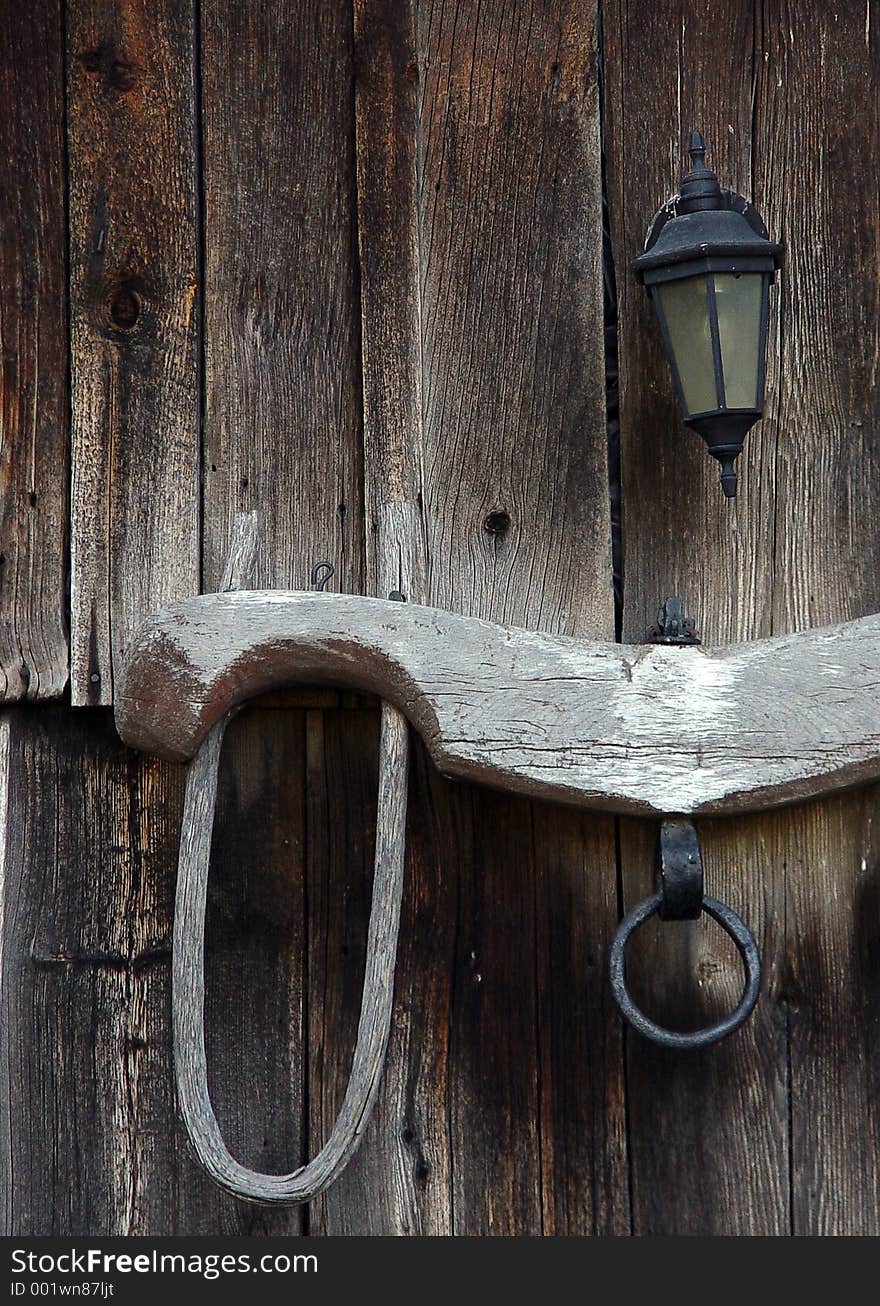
(671, 1038)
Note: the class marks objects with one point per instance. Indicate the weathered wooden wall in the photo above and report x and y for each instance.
(786, 1120)
(342, 262)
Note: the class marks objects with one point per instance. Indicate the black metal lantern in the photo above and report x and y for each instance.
(708, 266)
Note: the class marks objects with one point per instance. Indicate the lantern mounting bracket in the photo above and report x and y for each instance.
(673, 627)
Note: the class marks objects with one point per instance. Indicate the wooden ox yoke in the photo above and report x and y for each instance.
(638, 729)
(647, 729)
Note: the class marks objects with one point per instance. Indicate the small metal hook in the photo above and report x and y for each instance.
(320, 582)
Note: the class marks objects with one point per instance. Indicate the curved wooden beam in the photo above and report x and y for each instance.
(642, 729)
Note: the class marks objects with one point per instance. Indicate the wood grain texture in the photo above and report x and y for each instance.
(478, 212)
(618, 727)
(445, 157)
(387, 112)
(283, 408)
(33, 350)
(513, 388)
(91, 1143)
(282, 434)
(789, 1141)
(826, 438)
(134, 353)
(399, 1183)
(679, 537)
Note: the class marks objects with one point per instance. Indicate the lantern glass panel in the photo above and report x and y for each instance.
(738, 300)
(685, 306)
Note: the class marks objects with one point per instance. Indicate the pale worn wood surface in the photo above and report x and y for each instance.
(626, 728)
(134, 324)
(33, 331)
(784, 1139)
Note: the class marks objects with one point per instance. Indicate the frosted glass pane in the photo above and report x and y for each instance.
(686, 309)
(739, 326)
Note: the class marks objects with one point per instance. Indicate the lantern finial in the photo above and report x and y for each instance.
(697, 148)
(699, 189)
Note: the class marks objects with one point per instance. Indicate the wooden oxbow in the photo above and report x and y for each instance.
(641, 729)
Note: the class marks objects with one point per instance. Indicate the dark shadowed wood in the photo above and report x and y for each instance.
(388, 95)
(282, 430)
(399, 1183)
(613, 726)
(133, 290)
(188, 998)
(478, 208)
(787, 1129)
(33, 382)
(85, 968)
(255, 951)
(581, 1128)
(90, 1139)
(819, 67)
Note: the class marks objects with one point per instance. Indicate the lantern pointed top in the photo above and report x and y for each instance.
(699, 189)
(697, 148)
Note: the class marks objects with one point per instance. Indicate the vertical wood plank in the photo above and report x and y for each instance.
(283, 419)
(33, 355)
(396, 1183)
(790, 1139)
(517, 523)
(480, 241)
(584, 1161)
(283, 435)
(818, 68)
(399, 1183)
(711, 1128)
(134, 329)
